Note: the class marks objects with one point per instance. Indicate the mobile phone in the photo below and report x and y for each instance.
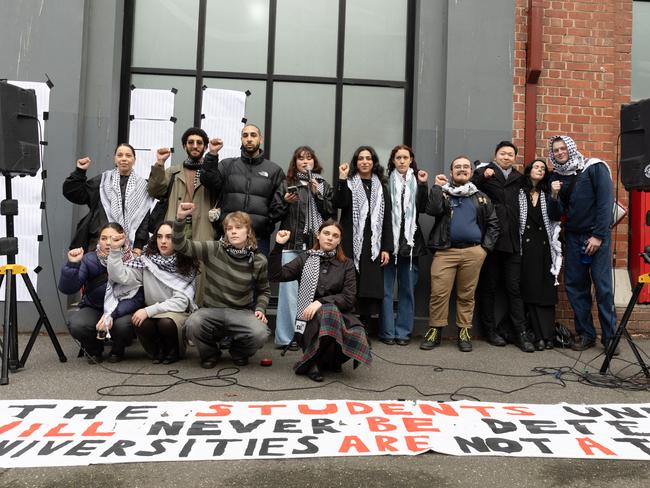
(292, 189)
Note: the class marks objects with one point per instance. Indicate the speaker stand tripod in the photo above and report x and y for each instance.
(9, 248)
(622, 328)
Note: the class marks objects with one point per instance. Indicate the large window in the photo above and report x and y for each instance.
(333, 74)
(640, 50)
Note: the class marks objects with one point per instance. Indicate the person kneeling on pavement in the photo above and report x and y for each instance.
(465, 230)
(236, 291)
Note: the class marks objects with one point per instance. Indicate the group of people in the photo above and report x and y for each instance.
(185, 256)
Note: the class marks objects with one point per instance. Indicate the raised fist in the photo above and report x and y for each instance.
(75, 255)
(423, 176)
(184, 209)
(215, 145)
(83, 163)
(282, 236)
(117, 241)
(344, 170)
(489, 173)
(162, 154)
(441, 180)
(556, 186)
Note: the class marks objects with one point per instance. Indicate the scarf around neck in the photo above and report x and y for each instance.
(116, 292)
(315, 219)
(403, 209)
(360, 210)
(574, 164)
(308, 282)
(466, 190)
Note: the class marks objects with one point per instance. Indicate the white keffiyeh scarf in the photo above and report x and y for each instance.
(137, 201)
(115, 292)
(576, 161)
(403, 208)
(315, 219)
(466, 190)
(360, 209)
(308, 282)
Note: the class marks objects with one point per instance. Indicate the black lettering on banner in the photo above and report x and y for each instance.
(476, 443)
(320, 426)
(84, 447)
(539, 443)
(221, 445)
(499, 426)
(250, 448)
(135, 412)
(624, 412)
(24, 449)
(287, 426)
(51, 447)
(89, 413)
(158, 446)
(577, 425)
(187, 448)
(242, 428)
(623, 426)
(6, 446)
(501, 444)
(639, 443)
(542, 427)
(203, 427)
(173, 428)
(588, 412)
(117, 449)
(310, 448)
(27, 409)
(268, 444)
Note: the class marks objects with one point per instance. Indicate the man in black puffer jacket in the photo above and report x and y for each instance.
(248, 183)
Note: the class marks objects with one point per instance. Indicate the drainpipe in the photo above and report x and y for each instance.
(533, 70)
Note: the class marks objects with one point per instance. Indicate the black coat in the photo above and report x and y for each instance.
(82, 191)
(440, 208)
(504, 195)
(251, 185)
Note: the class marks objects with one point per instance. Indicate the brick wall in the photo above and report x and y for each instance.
(586, 76)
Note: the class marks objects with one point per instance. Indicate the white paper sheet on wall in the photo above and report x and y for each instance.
(146, 136)
(223, 111)
(151, 104)
(27, 190)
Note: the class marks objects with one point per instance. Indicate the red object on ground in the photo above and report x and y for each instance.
(266, 362)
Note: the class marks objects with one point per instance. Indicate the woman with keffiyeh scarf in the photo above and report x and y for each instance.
(409, 193)
(328, 332)
(117, 195)
(104, 305)
(169, 282)
(541, 252)
(366, 211)
(306, 207)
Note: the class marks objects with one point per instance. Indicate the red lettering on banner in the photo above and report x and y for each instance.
(353, 442)
(56, 431)
(385, 443)
(519, 410)
(268, 408)
(417, 443)
(482, 409)
(394, 409)
(307, 410)
(419, 425)
(380, 424)
(33, 428)
(356, 408)
(92, 431)
(588, 445)
(219, 411)
(9, 426)
(441, 408)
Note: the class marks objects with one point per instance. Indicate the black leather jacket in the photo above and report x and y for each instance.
(440, 208)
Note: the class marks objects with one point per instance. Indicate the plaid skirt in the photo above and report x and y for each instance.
(329, 341)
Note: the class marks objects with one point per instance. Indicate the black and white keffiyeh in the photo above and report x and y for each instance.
(308, 282)
(403, 208)
(360, 209)
(466, 190)
(137, 201)
(552, 231)
(576, 161)
(115, 292)
(194, 165)
(237, 253)
(315, 219)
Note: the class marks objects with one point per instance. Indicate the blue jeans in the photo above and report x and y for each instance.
(285, 319)
(578, 278)
(401, 326)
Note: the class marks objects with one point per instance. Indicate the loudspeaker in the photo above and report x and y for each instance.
(635, 145)
(19, 145)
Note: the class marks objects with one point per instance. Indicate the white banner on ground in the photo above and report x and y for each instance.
(71, 432)
(223, 112)
(27, 190)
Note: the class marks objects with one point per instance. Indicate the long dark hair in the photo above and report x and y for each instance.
(377, 168)
(527, 183)
(185, 265)
(340, 255)
(391, 164)
(293, 168)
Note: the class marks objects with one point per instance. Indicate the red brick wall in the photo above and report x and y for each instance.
(586, 76)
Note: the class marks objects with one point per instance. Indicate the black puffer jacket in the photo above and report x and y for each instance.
(440, 208)
(251, 185)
